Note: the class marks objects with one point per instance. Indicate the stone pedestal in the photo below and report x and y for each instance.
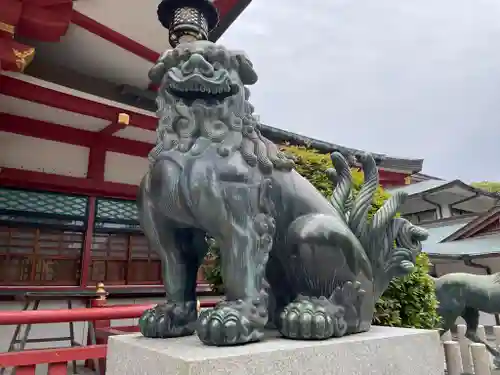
(382, 351)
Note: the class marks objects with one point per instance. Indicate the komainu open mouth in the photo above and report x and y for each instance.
(199, 80)
(193, 89)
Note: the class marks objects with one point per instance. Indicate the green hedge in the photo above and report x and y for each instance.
(408, 302)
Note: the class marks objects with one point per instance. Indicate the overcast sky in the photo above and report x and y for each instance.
(407, 78)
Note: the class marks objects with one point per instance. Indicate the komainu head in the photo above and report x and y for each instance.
(203, 96)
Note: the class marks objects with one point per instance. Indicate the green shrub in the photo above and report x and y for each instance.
(211, 267)
(408, 302)
(491, 187)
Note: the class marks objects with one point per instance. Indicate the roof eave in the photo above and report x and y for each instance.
(461, 256)
(383, 161)
(228, 19)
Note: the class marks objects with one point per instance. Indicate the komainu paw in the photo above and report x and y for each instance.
(169, 320)
(228, 324)
(350, 297)
(310, 318)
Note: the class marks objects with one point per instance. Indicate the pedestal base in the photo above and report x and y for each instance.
(381, 351)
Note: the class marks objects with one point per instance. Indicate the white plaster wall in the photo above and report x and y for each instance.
(39, 155)
(80, 94)
(137, 134)
(445, 211)
(125, 169)
(37, 111)
(150, 33)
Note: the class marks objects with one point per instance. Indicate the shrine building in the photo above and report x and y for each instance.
(76, 124)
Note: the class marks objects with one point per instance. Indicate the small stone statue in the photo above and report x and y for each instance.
(465, 295)
(312, 267)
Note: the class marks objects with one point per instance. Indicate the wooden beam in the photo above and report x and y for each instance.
(27, 91)
(65, 134)
(17, 178)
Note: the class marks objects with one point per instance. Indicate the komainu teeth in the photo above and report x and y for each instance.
(197, 87)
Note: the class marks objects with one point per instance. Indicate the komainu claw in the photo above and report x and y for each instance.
(312, 319)
(225, 326)
(169, 320)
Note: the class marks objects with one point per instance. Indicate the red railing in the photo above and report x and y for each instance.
(109, 312)
(26, 361)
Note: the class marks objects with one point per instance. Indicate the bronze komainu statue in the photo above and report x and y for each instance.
(311, 266)
(465, 295)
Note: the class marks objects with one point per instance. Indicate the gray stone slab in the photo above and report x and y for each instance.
(382, 351)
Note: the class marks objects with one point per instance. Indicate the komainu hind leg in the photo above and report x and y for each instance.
(181, 252)
(471, 317)
(311, 318)
(245, 248)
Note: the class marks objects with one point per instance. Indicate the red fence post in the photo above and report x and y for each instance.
(100, 301)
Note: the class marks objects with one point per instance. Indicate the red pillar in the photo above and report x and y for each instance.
(392, 179)
(95, 172)
(87, 243)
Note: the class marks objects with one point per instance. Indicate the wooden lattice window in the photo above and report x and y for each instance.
(39, 256)
(144, 263)
(41, 237)
(123, 258)
(120, 252)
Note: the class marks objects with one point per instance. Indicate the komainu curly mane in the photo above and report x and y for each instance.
(186, 125)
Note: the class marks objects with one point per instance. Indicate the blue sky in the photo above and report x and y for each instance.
(406, 78)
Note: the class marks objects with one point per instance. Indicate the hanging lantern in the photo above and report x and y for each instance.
(187, 20)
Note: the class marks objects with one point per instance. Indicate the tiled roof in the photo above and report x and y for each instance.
(384, 161)
(419, 187)
(437, 234)
(478, 246)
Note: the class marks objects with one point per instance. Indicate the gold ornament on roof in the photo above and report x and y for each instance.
(5, 27)
(123, 119)
(23, 59)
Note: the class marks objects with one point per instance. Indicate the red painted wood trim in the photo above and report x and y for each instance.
(224, 6)
(393, 176)
(112, 128)
(78, 137)
(24, 370)
(59, 368)
(110, 288)
(11, 177)
(43, 95)
(391, 179)
(97, 162)
(87, 243)
(36, 356)
(128, 44)
(114, 37)
(46, 130)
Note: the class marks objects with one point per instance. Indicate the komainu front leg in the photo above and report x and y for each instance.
(244, 253)
(182, 251)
